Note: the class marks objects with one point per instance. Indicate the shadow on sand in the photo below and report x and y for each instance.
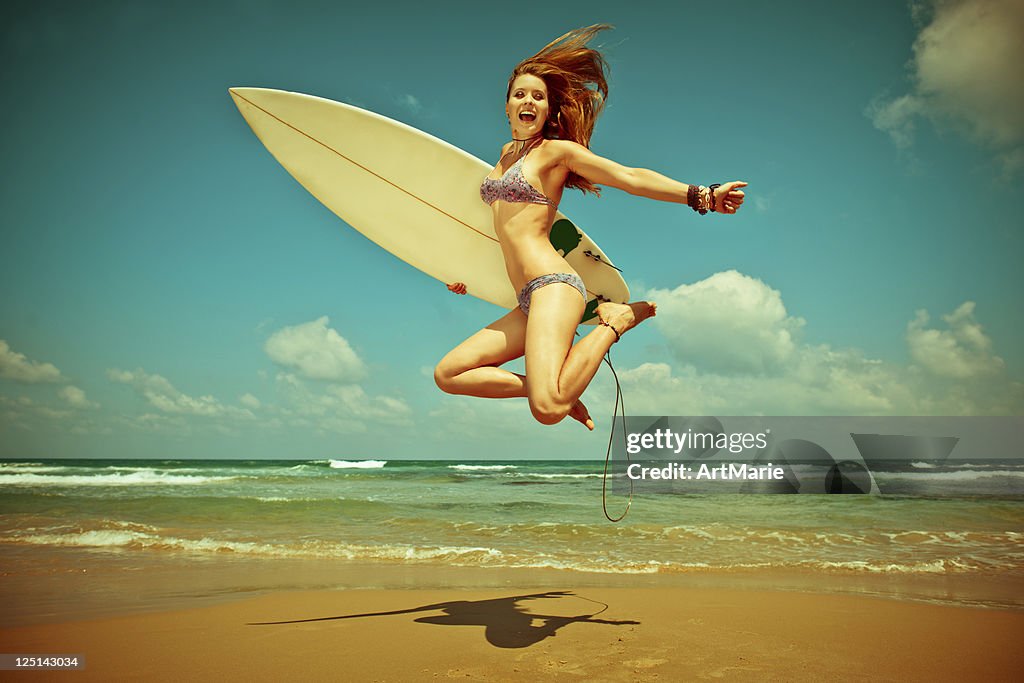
(506, 623)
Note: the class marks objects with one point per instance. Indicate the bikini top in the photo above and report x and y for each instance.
(512, 187)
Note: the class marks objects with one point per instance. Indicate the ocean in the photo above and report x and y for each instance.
(965, 520)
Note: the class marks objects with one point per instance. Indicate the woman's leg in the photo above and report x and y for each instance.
(558, 372)
(471, 367)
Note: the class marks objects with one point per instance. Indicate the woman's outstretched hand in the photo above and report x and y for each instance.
(457, 287)
(728, 197)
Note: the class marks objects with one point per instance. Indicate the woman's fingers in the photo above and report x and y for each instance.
(733, 196)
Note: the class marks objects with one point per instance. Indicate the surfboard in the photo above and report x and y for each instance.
(409, 192)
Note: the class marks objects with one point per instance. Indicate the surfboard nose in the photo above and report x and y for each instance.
(241, 91)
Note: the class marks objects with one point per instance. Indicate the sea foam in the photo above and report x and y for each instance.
(136, 478)
(357, 464)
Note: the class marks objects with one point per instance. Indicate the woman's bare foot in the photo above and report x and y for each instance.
(579, 413)
(624, 317)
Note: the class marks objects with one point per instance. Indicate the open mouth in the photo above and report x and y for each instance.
(527, 116)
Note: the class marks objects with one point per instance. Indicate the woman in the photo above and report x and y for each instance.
(552, 101)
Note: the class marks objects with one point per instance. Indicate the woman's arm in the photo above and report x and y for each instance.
(638, 181)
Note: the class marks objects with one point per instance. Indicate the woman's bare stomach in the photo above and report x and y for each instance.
(526, 245)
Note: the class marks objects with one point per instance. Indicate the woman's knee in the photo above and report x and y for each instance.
(444, 377)
(548, 411)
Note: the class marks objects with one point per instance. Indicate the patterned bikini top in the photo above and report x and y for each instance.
(512, 187)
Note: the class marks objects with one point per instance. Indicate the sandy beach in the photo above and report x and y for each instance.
(226, 621)
(643, 634)
(226, 571)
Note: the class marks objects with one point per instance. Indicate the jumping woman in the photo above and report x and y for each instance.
(552, 102)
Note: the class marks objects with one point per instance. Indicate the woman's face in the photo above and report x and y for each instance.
(527, 106)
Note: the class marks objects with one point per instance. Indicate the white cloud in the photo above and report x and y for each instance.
(315, 351)
(17, 367)
(728, 323)
(897, 117)
(249, 401)
(968, 62)
(476, 419)
(343, 409)
(962, 352)
(168, 424)
(162, 395)
(76, 397)
(823, 383)
(411, 103)
(966, 75)
(23, 410)
(752, 363)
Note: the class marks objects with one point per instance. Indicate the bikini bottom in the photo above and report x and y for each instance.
(538, 282)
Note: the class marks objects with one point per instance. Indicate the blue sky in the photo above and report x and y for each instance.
(169, 291)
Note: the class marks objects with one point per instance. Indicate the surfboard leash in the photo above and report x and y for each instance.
(619, 400)
(596, 602)
(597, 257)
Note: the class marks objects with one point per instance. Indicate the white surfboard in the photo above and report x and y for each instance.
(414, 195)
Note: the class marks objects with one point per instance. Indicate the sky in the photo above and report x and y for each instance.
(169, 291)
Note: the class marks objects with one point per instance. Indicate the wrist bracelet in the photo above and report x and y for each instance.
(695, 198)
(701, 199)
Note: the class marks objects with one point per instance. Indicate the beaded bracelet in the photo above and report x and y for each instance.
(696, 198)
(701, 199)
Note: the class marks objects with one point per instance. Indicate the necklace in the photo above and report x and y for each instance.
(525, 148)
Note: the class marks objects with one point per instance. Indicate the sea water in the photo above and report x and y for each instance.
(511, 514)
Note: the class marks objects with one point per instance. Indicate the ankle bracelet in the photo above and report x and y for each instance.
(617, 335)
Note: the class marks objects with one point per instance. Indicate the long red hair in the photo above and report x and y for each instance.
(577, 89)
